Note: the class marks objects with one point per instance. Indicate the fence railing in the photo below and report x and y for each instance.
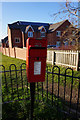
(65, 58)
(60, 91)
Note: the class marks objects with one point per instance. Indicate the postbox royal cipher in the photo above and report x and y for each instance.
(36, 59)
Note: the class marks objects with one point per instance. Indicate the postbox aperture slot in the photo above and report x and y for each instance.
(37, 47)
(37, 58)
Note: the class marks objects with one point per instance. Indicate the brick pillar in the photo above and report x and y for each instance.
(14, 52)
(5, 50)
(9, 51)
(23, 39)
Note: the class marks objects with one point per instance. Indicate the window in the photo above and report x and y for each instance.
(79, 33)
(73, 31)
(8, 43)
(58, 33)
(66, 34)
(58, 44)
(73, 42)
(17, 40)
(79, 41)
(66, 43)
(66, 26)
(30, 34)
(42, 34)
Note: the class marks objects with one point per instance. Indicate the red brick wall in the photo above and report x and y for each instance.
(16, 34)
(42, 30)
(3, 44)
(52, 38)
(38, 35)
(35, 35)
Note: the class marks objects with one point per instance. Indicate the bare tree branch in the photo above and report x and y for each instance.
(68, 10)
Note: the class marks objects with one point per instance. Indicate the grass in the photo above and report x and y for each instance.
(21, 109)
(62, 78)
(7, 61)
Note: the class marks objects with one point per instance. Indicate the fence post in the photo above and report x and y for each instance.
(2, 50)
(77, 61)
(54, 57)
(32, 92)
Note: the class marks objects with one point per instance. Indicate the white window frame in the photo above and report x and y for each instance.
(73, 42)
(42, 28)
(29, 28)
(18, 39)
(66, 43)
(57, 43)
(31, 34)
(67, 26)
(59, 33)
(73, 32)
(44, 33)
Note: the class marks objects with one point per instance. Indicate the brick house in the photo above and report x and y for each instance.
(5, 42)
(19, 31)
(69, 35)
(70, 38)
(55, 32)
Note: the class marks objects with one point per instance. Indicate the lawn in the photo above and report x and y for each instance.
(43, 108)
(7, 61)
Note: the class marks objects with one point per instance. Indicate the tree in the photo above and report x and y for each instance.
(71, 11)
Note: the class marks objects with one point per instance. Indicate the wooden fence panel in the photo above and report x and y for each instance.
(12, 54)
(7, 51)
(20, 53)
(66, 58)
(59, 57)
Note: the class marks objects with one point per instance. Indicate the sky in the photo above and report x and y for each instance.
(27, 11)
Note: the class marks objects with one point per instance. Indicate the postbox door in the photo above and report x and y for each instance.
(36, 71)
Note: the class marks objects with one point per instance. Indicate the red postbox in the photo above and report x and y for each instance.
(36, 59)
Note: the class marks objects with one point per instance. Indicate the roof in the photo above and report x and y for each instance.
(53, 27)
(24, 25)
(5, 39)
(35, 25)
(32, 23)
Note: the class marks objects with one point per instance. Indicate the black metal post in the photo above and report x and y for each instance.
(32, 92)
(54, 58)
